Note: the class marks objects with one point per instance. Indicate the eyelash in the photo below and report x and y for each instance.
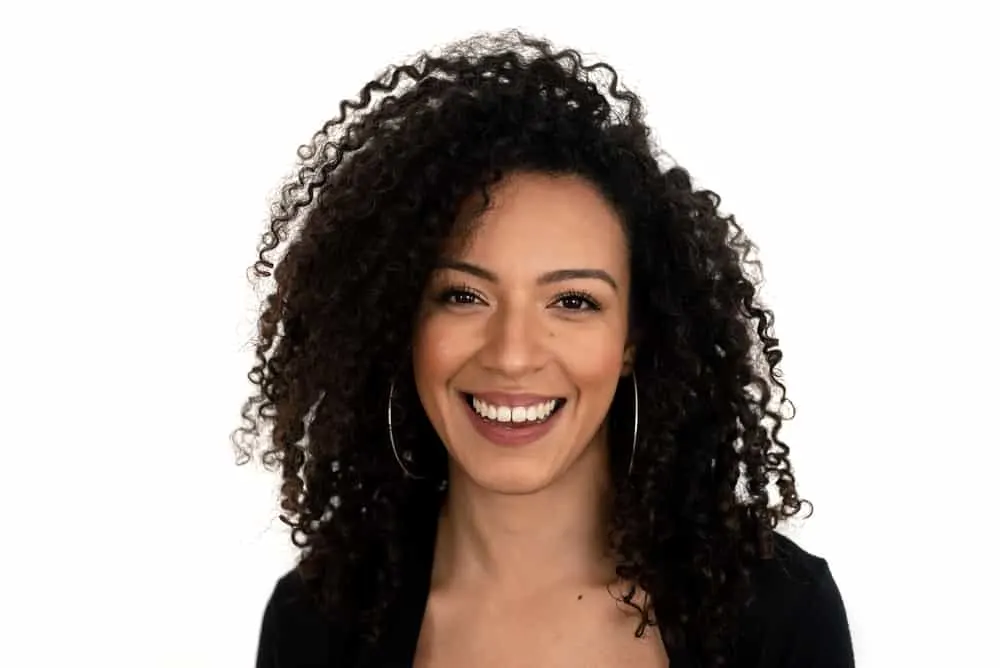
(588, 299)
(447, 295)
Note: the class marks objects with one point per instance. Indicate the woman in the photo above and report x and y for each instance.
(521, 390)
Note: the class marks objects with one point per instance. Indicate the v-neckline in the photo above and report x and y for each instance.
(407, 617)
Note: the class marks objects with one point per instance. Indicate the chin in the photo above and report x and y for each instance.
(515, 478)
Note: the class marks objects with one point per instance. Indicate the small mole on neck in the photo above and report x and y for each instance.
(579, 597)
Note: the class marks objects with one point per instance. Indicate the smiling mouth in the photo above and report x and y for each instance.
(514, 417)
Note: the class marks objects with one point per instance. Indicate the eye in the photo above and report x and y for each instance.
(577, 301)
(459, 295)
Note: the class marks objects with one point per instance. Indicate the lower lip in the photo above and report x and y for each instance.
(502, 433)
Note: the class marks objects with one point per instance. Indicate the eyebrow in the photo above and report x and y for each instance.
(547, 278)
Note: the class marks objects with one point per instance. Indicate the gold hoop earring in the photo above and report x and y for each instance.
(392, 439)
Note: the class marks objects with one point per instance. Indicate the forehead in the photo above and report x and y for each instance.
(538, 222)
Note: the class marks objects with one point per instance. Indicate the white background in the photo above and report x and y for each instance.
(140, 144)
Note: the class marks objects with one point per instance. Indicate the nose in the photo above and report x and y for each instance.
(514, 342)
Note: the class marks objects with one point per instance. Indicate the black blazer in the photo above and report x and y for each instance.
(796, 619)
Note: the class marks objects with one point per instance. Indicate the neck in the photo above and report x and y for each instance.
(554, 536)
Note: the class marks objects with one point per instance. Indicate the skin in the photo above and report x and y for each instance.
(521, 570)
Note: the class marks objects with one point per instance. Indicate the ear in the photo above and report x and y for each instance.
(628, 359)
(631, 347)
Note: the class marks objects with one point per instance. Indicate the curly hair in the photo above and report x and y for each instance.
(351, 243)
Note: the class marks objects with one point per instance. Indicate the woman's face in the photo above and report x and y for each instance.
(522, 335)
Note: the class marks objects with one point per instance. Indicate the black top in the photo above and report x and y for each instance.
(795, 619)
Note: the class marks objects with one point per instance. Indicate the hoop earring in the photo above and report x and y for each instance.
(635, 423)
(392, 439)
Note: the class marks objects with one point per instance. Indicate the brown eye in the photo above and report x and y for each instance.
(459, 296)
(578, 301)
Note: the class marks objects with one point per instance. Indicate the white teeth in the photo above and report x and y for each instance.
(517, 414)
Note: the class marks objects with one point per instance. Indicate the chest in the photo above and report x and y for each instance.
(593, 631)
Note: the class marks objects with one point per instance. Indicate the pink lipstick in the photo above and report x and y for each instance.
(512, 433)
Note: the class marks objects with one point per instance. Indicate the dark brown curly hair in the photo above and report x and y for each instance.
(354, 237)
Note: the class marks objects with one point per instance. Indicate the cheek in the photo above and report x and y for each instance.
(597, 363)
(437, 354)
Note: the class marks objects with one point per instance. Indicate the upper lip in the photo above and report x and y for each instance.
(512, 399)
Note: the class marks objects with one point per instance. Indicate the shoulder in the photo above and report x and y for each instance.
(790, 571)
(294, 633)
(796, 616)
